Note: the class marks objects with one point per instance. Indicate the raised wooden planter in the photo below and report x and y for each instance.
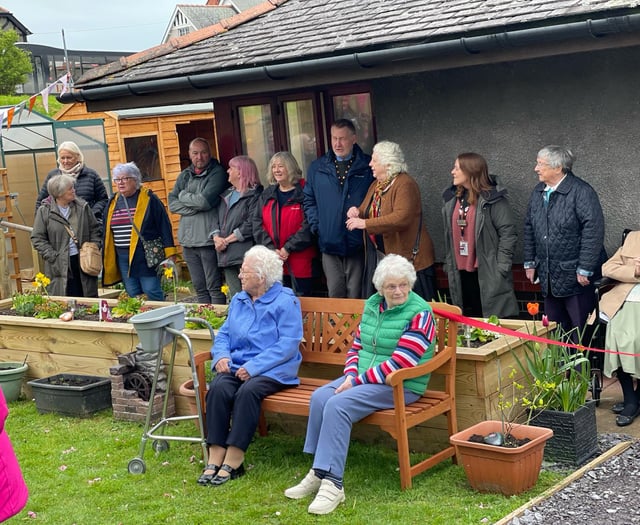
(84, 347)
(91, 348)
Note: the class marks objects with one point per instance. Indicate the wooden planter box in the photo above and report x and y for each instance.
(84, 347)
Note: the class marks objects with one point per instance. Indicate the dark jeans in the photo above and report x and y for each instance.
(233, 408)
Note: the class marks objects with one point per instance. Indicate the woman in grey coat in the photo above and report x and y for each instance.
(62, 224)
(480, 237)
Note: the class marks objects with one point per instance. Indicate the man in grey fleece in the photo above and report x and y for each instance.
(195, 197)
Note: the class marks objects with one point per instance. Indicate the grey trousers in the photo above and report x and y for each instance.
(344, 275)
(206, 277)
(332, 415)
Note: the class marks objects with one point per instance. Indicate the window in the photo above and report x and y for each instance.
(144, 152)
(357, 108)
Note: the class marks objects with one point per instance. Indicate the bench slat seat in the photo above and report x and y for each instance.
(329, 326)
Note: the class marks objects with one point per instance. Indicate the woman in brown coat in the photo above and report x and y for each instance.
(391, 215)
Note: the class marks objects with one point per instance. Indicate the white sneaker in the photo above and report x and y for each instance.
(309, 485)
(328, 498)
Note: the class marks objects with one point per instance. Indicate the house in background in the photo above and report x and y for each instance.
(187, 18)
(8, 22)
(439, 77)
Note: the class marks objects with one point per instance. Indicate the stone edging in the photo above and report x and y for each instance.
(613, 451)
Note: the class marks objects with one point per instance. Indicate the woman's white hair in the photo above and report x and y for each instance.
(390, 154)
(266, 263)
(71, 147)
(393, 266)
(59, 184)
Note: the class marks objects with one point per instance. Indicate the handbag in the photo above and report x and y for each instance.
(90, 255)
(90, 258)
(153, 249)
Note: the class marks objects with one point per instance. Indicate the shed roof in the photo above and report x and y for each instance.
(283, 32)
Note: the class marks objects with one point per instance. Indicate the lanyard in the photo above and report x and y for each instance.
(462, 214)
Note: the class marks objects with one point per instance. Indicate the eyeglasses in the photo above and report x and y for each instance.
(122, 179)
(246, 272)
(393, 287)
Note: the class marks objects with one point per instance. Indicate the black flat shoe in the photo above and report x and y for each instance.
(623, 421)
(617, 408)
(234, 473)
(205, 479)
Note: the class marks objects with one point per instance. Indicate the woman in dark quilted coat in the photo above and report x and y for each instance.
(563, 239)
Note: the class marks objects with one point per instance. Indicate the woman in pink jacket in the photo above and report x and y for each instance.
(13, 490)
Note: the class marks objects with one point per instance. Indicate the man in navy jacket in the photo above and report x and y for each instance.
(335, 182)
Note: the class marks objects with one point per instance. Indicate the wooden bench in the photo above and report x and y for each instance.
(328, 329)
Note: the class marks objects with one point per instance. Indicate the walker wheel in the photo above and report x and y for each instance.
(137, 466)
(160, 445)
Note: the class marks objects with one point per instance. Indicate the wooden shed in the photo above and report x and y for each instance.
(156, 139)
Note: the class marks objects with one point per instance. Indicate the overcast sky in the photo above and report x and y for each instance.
(99, 25)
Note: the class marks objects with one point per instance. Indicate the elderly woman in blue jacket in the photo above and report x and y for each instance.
(255, 354)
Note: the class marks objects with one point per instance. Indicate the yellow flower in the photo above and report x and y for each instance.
(168, 272)
(225, 289)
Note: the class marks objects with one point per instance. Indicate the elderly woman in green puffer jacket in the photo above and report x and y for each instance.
(397, 330)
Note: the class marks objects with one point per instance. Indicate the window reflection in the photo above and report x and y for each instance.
(357, 109)
(301, 132)
(256, 132)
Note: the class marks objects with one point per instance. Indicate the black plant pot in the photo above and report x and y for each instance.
(575, 434)
(71, 394)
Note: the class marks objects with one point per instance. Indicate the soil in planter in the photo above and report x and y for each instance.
(78, 316)
(510, 442)
(62, 380)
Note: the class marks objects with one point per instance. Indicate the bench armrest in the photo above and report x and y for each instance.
(397, 377)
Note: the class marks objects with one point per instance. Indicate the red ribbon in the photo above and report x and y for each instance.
(508, 331)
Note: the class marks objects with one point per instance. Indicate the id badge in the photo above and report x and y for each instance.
(464, 248)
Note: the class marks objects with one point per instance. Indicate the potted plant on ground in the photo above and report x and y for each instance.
(560, 377)
(504, 456)
(11, 376)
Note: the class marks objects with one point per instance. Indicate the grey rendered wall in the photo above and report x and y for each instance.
(589, 103)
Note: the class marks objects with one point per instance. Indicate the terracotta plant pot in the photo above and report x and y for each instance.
(496, 469)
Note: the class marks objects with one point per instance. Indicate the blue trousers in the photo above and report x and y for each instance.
(332, 415)
(143, 280)
(233, 408)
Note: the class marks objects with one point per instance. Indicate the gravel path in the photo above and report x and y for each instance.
(608, 494)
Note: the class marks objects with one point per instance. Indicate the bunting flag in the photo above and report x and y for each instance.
(32, 101)
(10, 114)
(16, 111)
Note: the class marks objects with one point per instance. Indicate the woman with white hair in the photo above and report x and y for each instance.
(254, 354)
(391, 215)
(88, 184)
(397, 330)
(62, 225)
(134, 212)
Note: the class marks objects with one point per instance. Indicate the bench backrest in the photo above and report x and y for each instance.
(329, 326)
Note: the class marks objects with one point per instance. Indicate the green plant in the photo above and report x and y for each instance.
(127, 306)
(209, 313)
(557, 375)
(26, 303)
(471, 334)
(50, 309)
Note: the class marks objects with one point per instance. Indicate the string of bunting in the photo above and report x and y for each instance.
(15, 112)
(522, 335)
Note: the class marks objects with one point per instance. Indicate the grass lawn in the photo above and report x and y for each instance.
(76, 470)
